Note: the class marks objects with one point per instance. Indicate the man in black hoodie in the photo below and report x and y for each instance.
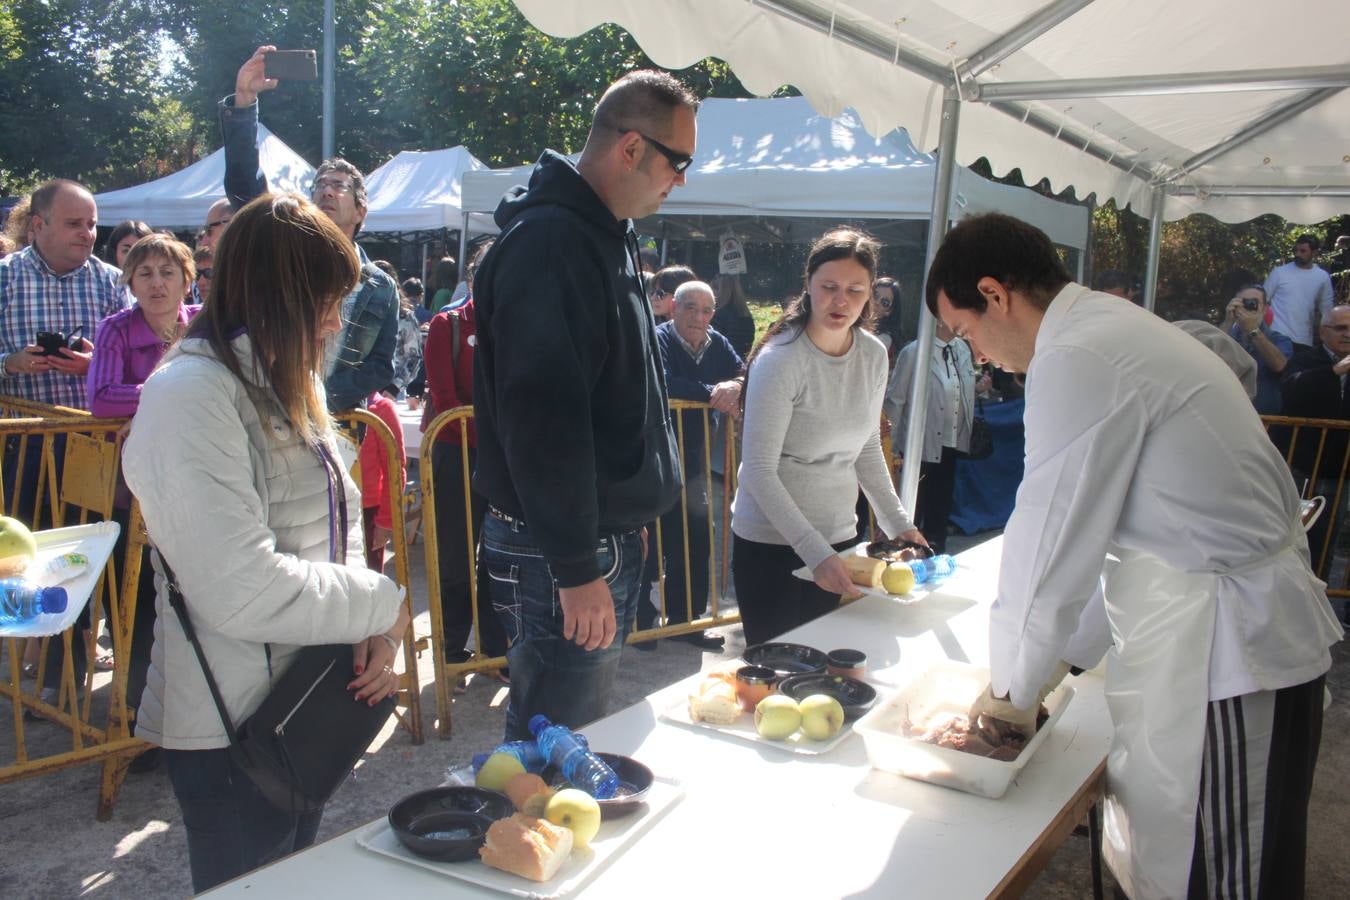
(575, 446)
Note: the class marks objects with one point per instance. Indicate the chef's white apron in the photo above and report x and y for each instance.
(1157, 688)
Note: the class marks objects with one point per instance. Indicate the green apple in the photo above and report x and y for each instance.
(576, 810)
(777, 717)
(822, 716)
(17, 547)
(898, 578)
(497, 770)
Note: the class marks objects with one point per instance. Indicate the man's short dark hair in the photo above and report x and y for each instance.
(1113, 280)
(644, 100)
(41, 202)
(1019, 256)
(1309, 239)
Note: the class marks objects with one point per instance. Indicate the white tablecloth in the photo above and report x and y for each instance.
(758, 822)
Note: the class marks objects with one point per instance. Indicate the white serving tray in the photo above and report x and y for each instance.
(744, 728)
(946, 688)
(95, 541)
(614, 836)
(917, 593)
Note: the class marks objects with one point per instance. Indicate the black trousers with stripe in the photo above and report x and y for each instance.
(1251, 831)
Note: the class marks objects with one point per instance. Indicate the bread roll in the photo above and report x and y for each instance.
(525, 846)
(864, 570)
(715, 700)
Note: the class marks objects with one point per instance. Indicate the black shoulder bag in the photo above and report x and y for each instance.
(308, 734)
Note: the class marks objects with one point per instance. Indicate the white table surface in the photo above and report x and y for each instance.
(758, 822)
(411, 420)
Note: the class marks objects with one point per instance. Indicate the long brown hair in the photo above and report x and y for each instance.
(278, 269)
(841, 243)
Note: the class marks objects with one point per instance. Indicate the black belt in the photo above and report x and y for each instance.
(504, 517)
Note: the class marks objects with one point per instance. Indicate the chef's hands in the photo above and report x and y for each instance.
(832, 577)
(989, 707)
(588, 614)
(988, 712)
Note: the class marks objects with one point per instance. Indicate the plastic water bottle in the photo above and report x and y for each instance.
(932, 568)
(585, 770)
(22, 601)
(527, 752)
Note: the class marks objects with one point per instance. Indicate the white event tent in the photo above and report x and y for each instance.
(1215, 106)
(780, 158)
(180, 201)
(419, 190)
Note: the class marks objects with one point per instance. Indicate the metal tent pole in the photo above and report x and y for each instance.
(1155, 227)
(463, 245)
(329, 45)
(1037, 24)
(937, 227)
(1295, 79)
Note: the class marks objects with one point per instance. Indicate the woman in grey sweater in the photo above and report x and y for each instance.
(813, 394)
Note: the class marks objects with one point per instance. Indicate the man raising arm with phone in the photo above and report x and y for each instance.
(361, 357)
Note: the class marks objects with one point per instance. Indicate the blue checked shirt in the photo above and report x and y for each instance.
(33, 299)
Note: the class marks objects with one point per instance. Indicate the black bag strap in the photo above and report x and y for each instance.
(179, 607)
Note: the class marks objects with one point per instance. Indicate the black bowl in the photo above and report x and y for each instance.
(786, 659)
(448, 824)
(856, 697)
(635, 780)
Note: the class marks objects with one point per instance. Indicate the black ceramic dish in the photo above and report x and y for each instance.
(786, 659)
(448, 824)
(890, 550)
(856, 697)
(635, 780)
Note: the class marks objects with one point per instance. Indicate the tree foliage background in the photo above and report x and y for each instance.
(117, 93)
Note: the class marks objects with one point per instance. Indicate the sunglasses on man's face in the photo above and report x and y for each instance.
(678, 161)
(204, 273)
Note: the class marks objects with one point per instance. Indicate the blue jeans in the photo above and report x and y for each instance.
(549, 674)
(231, 827)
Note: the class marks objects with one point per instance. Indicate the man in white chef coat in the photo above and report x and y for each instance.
(1218, 632)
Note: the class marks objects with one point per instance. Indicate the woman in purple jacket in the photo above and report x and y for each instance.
(128, 345)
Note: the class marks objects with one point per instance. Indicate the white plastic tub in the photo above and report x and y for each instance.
(948, 688)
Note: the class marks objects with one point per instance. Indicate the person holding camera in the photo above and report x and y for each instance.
(1245, 320)
(58, 289)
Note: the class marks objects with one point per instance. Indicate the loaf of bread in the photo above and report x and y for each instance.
(864, 570)
(715, 700)
(525, 846)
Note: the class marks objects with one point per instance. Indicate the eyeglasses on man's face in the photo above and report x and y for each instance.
(678, 161)
(336, 185)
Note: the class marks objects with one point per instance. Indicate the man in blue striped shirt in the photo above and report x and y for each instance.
(55, 285)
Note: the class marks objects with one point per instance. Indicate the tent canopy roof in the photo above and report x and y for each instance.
(1098, 126)
(780, 158)
(418, 190)
(180, 201)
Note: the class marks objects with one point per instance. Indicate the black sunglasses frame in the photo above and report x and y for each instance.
(678, 161)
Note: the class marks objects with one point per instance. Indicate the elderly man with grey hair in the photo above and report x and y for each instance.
(701, 365)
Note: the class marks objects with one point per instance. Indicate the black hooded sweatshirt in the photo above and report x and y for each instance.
(574, 431)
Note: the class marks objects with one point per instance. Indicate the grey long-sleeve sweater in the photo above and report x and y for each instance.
(811, 437)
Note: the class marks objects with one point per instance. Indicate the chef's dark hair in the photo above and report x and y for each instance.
(1019, 256)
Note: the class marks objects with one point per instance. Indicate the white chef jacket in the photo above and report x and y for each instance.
(1137, 438)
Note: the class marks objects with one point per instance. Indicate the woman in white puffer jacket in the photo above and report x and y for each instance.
(233, 461)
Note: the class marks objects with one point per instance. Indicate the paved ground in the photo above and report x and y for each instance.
(51, 846)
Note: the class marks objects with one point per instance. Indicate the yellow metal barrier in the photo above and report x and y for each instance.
(90, 459)
(447, 672)
(87, 484)
(1318, 469)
